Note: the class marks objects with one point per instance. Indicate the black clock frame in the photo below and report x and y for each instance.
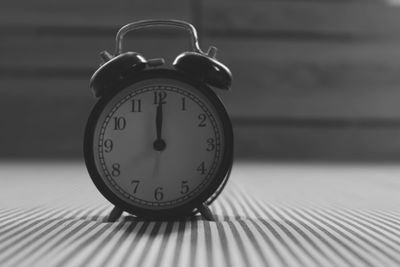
(212, 190)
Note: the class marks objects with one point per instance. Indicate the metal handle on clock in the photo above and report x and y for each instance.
(194, 41)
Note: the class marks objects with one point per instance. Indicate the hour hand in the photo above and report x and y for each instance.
(159, 143)
(159, 119)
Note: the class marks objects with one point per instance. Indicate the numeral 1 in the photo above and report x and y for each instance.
(183, 104)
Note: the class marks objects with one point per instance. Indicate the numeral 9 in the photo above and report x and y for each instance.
(108, 145)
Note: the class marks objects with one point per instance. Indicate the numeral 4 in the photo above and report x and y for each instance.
(202, 168)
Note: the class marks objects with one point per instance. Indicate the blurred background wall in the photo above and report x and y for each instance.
(313, 80)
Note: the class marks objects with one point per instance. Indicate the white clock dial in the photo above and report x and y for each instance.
(158, 168)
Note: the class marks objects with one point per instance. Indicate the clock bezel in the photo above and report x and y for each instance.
(210, 192)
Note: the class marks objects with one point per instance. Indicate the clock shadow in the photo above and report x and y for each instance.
(130, 218)
(126, 218)
(103, 216)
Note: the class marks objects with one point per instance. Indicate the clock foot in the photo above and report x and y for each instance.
(206, 212)
(114, 214)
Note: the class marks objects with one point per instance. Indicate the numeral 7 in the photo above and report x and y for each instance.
(135, 184)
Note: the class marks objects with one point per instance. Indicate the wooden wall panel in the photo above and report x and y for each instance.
(322, 59)
(320, 79)
(278, 78)
(49, 50)
(81, 52)
(303, 19)
(312, 79)
(91, 14)
(45, 119)
(303, 143)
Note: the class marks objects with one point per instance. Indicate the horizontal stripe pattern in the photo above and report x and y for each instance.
(247, 232)
(261, 220)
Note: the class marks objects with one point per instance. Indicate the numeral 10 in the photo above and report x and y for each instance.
(119, 123)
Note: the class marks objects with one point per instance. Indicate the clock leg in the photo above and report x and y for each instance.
(206, 212)
(114, 214)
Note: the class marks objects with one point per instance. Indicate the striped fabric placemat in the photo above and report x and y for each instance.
(65, 226)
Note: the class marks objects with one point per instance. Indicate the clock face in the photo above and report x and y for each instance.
(159, 144)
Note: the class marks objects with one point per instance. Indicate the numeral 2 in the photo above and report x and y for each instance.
(202, 117)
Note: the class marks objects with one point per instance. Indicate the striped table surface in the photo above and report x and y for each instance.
(269, 215)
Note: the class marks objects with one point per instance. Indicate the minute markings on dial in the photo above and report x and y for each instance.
(208, 167)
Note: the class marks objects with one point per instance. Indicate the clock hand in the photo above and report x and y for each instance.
(159, 120)
(159, 144)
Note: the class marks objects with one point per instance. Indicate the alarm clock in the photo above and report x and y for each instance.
(158, 143)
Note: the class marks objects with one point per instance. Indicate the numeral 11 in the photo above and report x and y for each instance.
(136, 105)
